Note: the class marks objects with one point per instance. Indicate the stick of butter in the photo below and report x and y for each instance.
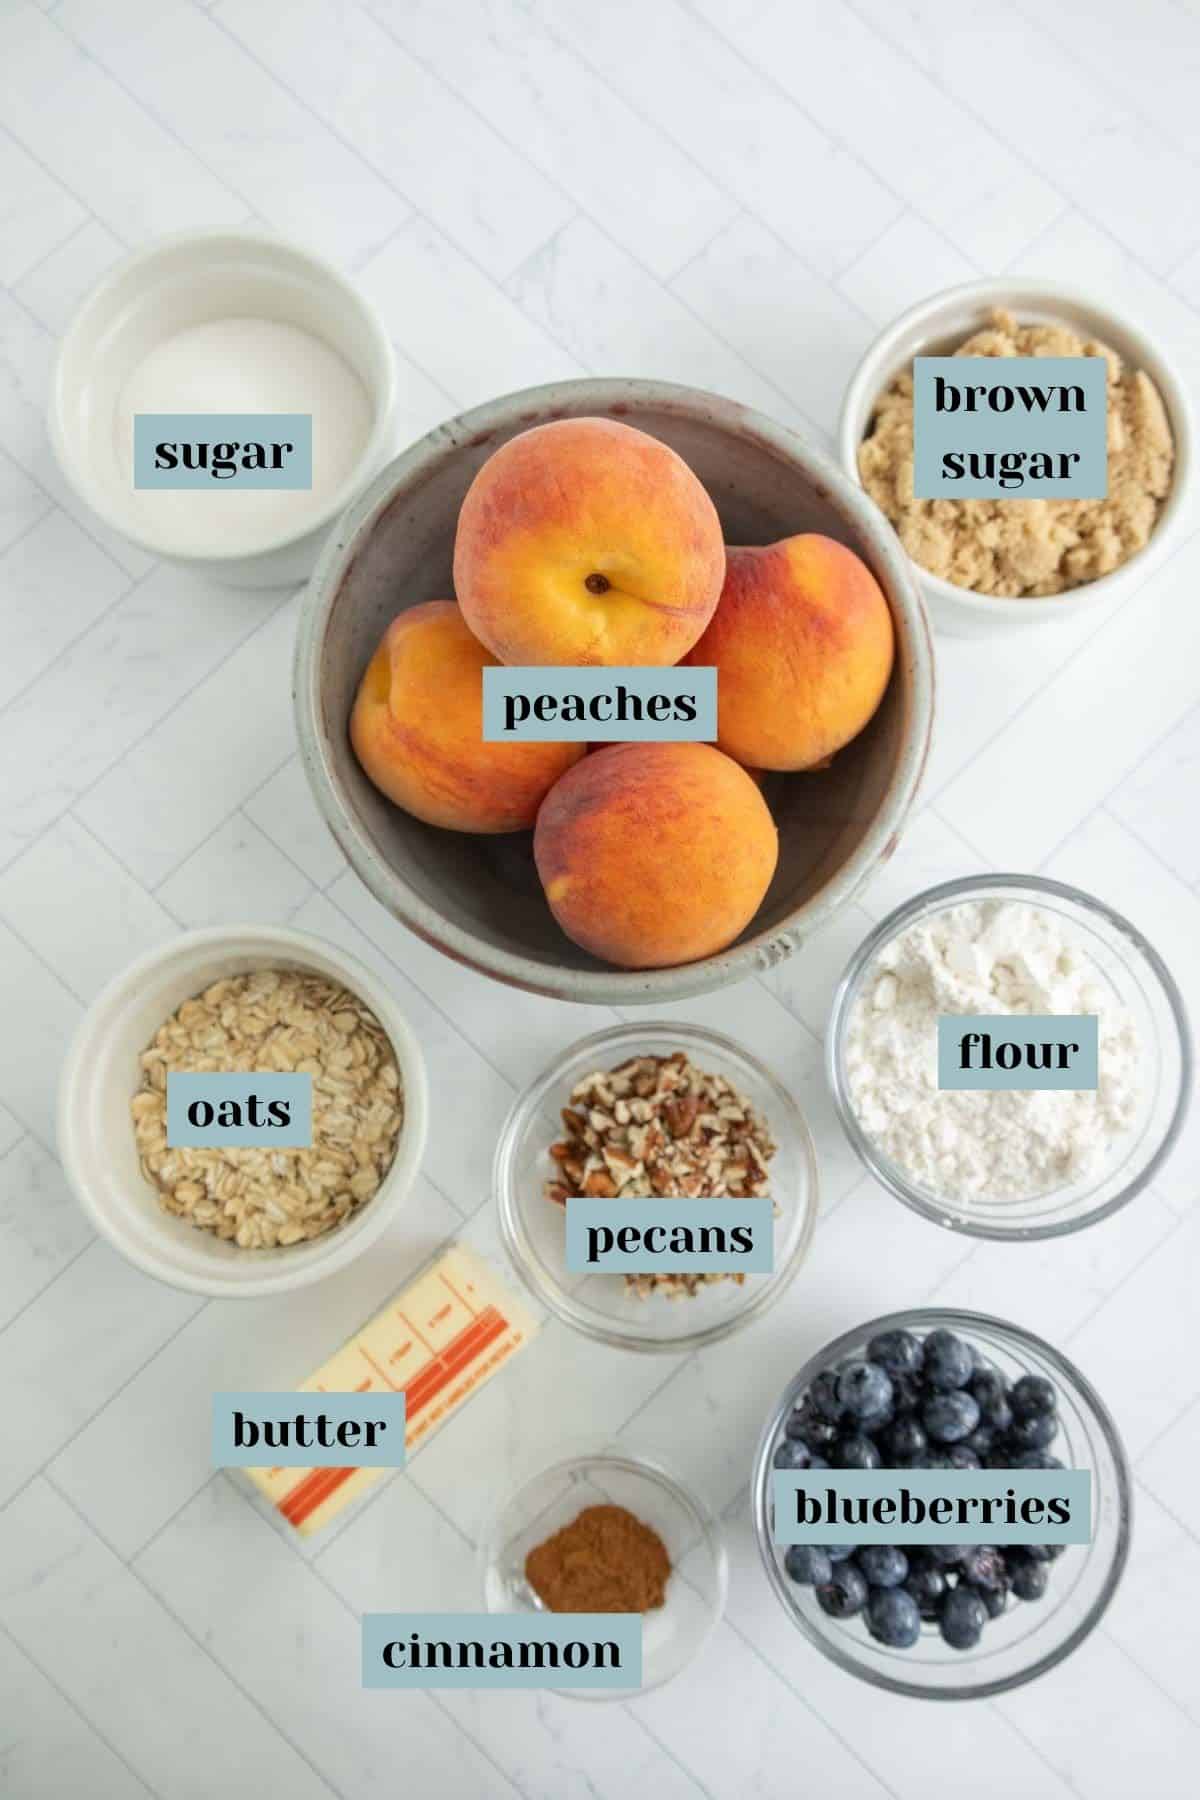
(438, 1340)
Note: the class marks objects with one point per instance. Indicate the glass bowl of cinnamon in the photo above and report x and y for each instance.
(603, 1530)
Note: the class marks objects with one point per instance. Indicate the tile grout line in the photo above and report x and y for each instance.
(1188, 1406)
(428, 1693)
(172, 707)
(92, 215)
(934, 796)
(898, 48)
(95, 1730)
(63, 243)
(1155, 1683)
(131, 1567)
(72, 643)
(153, 888)
(1113, 99)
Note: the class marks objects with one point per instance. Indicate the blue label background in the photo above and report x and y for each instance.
(501, 683)
(757, 1212)
(936, 432)
(339, 1409)
(152, 429)
(183, 1089)
(1072, 1485)
(625, 1629)
(1034, 1028)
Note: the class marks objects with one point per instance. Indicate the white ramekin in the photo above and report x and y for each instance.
(188, 280)
(935, 327)
(101, 1075)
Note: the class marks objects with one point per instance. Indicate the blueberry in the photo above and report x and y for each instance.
(839, 1552)
(844, 1594)
(1041, 1552)
(822, 1395)
(808, 1564)
(907, 1393)
(896, 1352)
(981, 1441)
(983, 1566)
(796, 1421)
(995, 1599)
(963, 1617)
(894, 1618)
(932, 1459)
(947, 1360)
(1034, 1432)
(1031, 1459)
(817, 1462)
(963, 1457)
(1031, 1396)
(950, 1417)
(855, 1452)
(905, 1437)
(884, 1565)
(792, 1454)
(946, 1555)
(1029, 1578)
(988, 1391)
(927, 1584)
(818, 1433)
(872, 1424)
(864, 1390)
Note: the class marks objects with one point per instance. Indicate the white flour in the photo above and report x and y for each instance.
(985, 957)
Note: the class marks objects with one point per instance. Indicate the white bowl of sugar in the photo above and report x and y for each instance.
(224, 322)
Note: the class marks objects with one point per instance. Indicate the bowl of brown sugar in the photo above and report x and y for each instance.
(988, 565)
(606, 1531)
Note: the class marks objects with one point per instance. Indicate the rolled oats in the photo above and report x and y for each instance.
(659, 1126)
(274, 1020)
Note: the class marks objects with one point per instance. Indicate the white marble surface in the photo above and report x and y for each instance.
(733, 193)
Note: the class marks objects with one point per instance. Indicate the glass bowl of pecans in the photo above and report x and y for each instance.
(648, 1110)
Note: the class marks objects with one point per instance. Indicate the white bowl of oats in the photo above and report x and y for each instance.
(254, 1219)
(644, 1110)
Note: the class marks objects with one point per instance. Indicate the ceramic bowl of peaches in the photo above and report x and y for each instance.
(620, 524)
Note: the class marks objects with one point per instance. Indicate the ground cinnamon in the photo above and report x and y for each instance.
(605, 1560)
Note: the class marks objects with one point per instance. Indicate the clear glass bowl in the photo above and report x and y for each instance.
(1139, 981)
(695, 1597)
(533, 1228)
(1029, 1637)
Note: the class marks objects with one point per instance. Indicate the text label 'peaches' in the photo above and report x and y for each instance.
(573, 704)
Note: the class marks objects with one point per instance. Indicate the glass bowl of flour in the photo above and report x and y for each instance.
(1015, 1158)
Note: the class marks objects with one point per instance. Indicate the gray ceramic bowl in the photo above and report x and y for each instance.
(478, 898)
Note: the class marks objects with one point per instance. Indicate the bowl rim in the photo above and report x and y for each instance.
(567, 1457)
(928, 1318)
(383, 398)
(884, 1171)
(879, 362)
(549, 1294)
(602, 985)
(278, 943)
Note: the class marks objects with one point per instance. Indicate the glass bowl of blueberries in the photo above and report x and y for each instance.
(940, 1389)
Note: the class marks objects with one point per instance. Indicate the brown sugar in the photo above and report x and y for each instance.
(1025, 547)
(605, 1560)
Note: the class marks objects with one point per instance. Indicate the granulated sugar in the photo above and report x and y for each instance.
(996, 957)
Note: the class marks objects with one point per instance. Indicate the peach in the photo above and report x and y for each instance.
(417, 730)
(803, 644)
(585, 541)
(652, 854)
